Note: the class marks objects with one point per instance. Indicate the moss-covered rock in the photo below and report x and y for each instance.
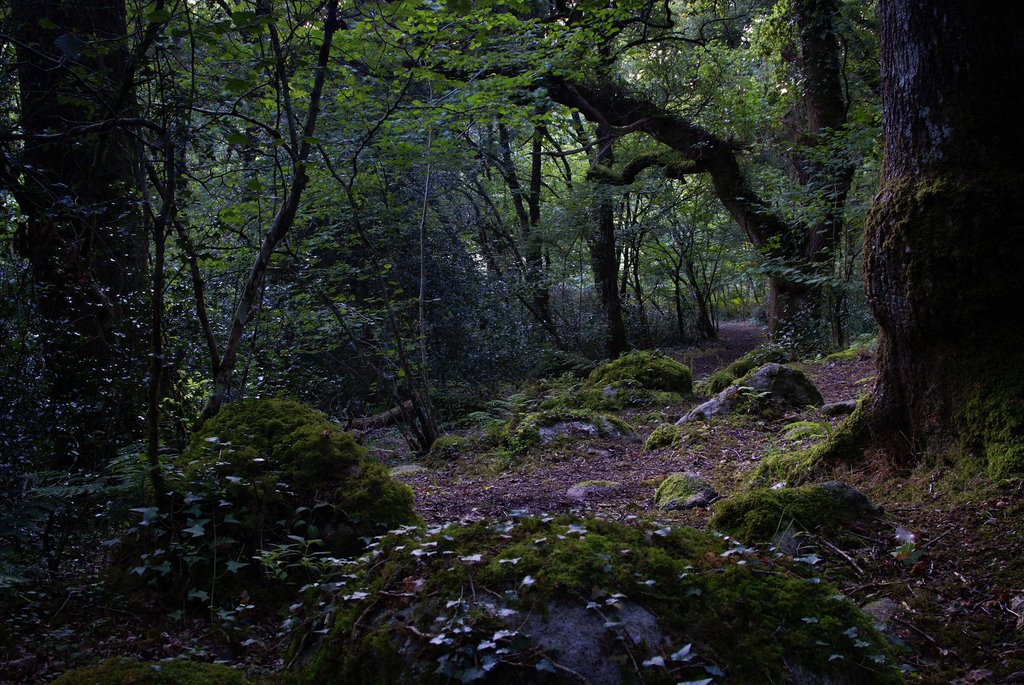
(671, 435)
(529, 431)
(593, 489)
(723, 378)
(636, 379)
(270, 477)
(447, 448)
(565, 600)
(131, 672)
(652, 370)
(273, 457)
(665, 435)
(684, 491)
(759, 515)
(768, 391)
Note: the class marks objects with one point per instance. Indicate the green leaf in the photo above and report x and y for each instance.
(157, 15)
(233, 566)
(197, 529)
(237, 138)
(47, 24)
(201, 595)
(238, 86)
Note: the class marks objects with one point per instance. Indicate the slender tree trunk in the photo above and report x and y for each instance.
(282, 222)
(944, 241)
(82, 233)
(603, 256)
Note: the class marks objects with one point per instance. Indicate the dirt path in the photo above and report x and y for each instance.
(541, 484)
(735, 339)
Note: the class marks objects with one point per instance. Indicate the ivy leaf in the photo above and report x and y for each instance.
(197, 529)
(684, 653)
(545, 666)
(201, 595)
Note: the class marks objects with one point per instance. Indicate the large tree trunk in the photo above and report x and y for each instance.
(944, 242)
(82, 233)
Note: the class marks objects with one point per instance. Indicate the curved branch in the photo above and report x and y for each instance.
(673, 166)
(710, 153)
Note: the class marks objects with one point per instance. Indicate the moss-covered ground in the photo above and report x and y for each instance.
(940, 556)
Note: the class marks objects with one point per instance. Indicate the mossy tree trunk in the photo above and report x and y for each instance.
(82, 235)
(944, 241)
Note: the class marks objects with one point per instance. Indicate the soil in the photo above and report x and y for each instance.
(940, 567)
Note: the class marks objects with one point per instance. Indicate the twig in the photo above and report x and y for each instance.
(933, 541)
(844, 555)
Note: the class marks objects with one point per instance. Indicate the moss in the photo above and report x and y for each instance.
(447, 449)
(259, 476)
(598, 484)
(276, 456)
(677, 487)
(375, 502)
(649, 370)
(664, 435)
(722, 379)
(130, 672)
(435, 599)
(715, 383)
(992, 420)
(758, 515)
(801, 430)
(526, 432)
(844, 445)
(297, 442)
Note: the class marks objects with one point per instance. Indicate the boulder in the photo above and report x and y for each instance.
(568, 600)
(527, 431)
(770, 390)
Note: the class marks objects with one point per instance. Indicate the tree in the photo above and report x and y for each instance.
(944, 241)
(796, 248)
(75, 181)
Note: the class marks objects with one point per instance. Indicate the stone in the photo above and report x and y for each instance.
(769, 390)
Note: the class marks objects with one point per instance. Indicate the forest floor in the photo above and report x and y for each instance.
(940, 568)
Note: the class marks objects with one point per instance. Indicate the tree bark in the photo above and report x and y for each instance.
(82, 234)
(944, 241)
(604, 262)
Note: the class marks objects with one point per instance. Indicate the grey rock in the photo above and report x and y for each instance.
(882, 611)
(839, 408)
(594, 490)
(770, 389)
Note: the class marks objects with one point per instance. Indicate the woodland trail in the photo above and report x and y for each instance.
(541, 484)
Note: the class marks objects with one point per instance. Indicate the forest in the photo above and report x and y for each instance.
(511, 341)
